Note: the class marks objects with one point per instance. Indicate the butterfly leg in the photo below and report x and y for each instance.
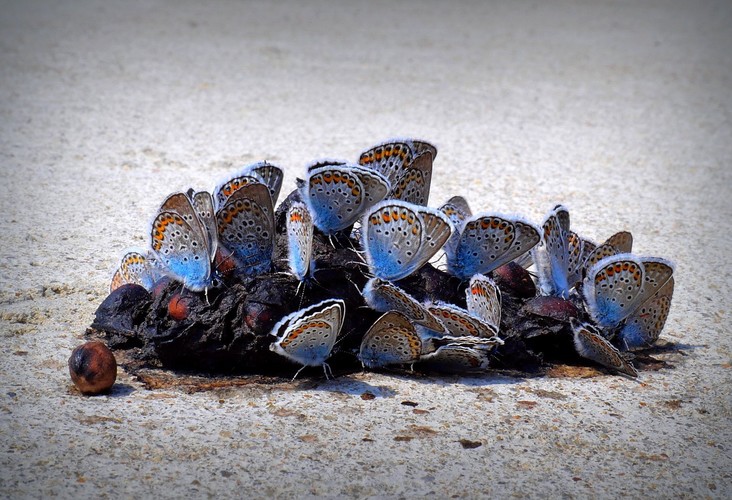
(298, 373)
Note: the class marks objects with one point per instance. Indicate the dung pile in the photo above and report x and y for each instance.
(347, 273)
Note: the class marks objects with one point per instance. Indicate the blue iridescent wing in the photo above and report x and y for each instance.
(246, 228)
(299, 239)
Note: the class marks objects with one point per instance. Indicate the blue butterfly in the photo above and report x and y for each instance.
(299, 239)
(488, 241)
(391, 340)
(246, 228)
(261, 172)
(483, 298)
(202, 203)
(458, 211)
(181, 243)
(337, 194)
(630, 295)
(559, 255)
(399, 238)
(395, 157)
(307, 336)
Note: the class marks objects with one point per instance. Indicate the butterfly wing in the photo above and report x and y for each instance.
(335, 197)
(246, 227)
(420, 147)
(223, 191)
(391, 239)
(299, 239)
(383, 296)
(391, 159)
(269, 175)
(489, 241)
(413, 185)
(391, 340)
(399, 238)
(460, 323)
(307, 336)
(552, 255)
(182, 249)
(575, 264)
(622, 240)
(613, 287)
(591, 345)
(643, 327)
(136, 267)
(458, 211)
(202, 202)
(457, 358)
(484, 300)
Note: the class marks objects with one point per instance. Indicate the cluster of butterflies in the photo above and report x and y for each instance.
(381, 202)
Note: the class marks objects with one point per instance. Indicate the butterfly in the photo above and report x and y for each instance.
(458, 211)
(391, 340)
(202, 203)
(559, 255)
(483, 298)
(395, 157)
(299, 239)
(460, 323)
(488, 241)
(180, 243)
(261, 172)
(591, 345)
(630, 295)
(457, 358)
(384, 296)
(337, 194)
(246, 228)
(138, 267)
(307, 336)
(399, 238)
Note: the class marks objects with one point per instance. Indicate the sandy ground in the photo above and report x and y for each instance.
(620, 111)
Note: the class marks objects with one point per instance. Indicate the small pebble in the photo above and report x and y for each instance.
(515, 279)
(178, 307)
(93, 368)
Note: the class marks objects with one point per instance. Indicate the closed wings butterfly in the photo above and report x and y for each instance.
(299, 239)
(391, 340)
(261, 172)
(399, 238)
(307, 336)
(394, 157)
(180, 243)
(590, 344)
(384, 296)
(630, 295)
(246, 228)
(488, 241)
(559, 255)
(338, 194)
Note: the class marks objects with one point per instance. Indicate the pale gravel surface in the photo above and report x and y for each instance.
(620, 111)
